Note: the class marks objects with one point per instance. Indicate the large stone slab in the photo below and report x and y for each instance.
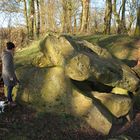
(129, 80)
(99, 118)
(45, 89)
(109, 70)
(120, 91)
(118, 105)
(137, 70)
(94, 113)
(102, 52)
(56, 49)
(78, 68)
(91, 61)
(79, 103)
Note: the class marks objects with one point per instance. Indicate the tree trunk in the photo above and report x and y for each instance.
(85, 14)
(81, 18)
(137, 29)
(31, 16)
(43, 16)
(132, 19)
(108, 15)
(67, 16)
(117, 16)
(75, 24)
(26, 17)
(64, 16)
(121, 22)
(38, 19)
(123, 29)
(51, 15)
(35, 24)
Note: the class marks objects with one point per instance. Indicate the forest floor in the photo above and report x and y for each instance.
(23, 123)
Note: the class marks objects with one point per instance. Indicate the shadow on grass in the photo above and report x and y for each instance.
(23, 123)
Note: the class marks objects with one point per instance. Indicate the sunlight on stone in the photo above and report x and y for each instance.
(55, 56)
(123, 53)
(56, 85)
(118, 90)
(118, 105)
(99, 119)
(78, 67)
(26, 96)
(80, 103)
(66, 49)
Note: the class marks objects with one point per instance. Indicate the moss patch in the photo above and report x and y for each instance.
(122, 47)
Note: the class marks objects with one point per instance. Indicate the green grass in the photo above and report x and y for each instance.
(106, 41)
(26, 55)
(122, 47)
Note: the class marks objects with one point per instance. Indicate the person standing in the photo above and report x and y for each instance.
(8, 71)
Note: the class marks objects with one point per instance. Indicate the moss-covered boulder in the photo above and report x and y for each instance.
(95, 114)
(48, 80)
(120, 91)
(81, 58)
(56, 49)
(129, 80)
(45, 89)
(78, 68)
(99, 118)
(79, 103)
(103, 53)
(118, 105)
(109, 70)
(137, 70)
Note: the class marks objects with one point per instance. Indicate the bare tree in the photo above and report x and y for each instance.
(31, 18)
(107, 18)
(85, 14)
(120, 19)
(51, 14)
(43, 15)
(67, 16)
(123, 29)
(131, 4)
(26, 16)
(75, 24)
(137, 29)
(9, 6)
(38, 18)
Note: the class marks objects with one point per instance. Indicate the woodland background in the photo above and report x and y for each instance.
(25, 20)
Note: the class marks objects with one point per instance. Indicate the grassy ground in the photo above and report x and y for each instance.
(23, 123)
(123, 47)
